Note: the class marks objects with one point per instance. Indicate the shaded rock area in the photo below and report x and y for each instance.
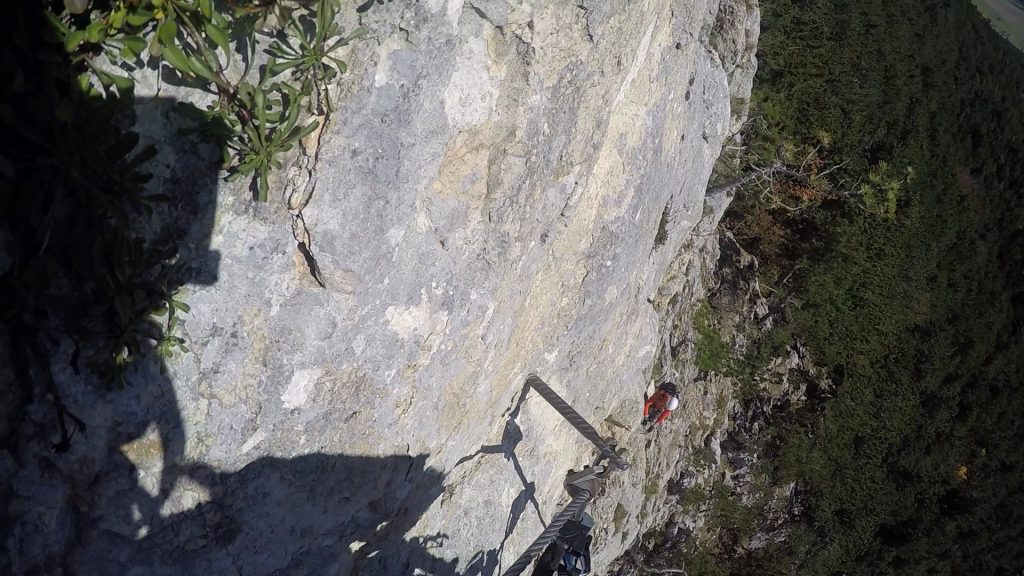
(504, 188)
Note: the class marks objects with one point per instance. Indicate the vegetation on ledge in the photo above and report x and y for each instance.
(894, 248)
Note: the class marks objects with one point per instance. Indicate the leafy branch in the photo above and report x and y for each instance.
(256, 115)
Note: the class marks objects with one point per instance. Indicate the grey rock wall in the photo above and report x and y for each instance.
(485, 204)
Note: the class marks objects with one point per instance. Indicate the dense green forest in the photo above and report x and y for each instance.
(910, 296)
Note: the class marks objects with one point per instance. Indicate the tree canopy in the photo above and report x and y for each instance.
(911, 296)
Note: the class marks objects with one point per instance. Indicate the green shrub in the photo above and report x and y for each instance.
(712, 353)
(619, 517)
(662, 234)
(256, 116)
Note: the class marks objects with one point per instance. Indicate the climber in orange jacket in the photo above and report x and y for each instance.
(660, 405)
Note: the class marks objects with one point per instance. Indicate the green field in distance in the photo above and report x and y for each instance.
(1007, 17)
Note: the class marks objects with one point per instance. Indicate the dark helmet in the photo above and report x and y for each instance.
(670, 388)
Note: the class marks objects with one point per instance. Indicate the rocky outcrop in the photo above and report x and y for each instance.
(728, 472)
(504, 188)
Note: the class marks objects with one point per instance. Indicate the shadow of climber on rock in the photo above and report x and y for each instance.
(315, 514)
(105, 211)
(90, 249)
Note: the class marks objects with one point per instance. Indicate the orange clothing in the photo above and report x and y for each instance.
(658, 401)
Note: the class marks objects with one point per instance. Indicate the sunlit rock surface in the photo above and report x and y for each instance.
(487, 203)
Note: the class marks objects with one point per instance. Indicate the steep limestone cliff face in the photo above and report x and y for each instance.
(504, 188)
